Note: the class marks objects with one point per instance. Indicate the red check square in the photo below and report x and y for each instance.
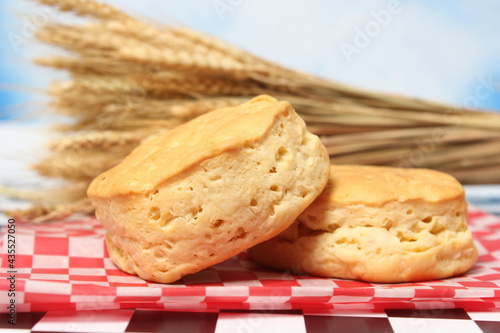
(51, 245)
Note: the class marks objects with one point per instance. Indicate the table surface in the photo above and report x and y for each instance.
(408, 321)
(175, 319)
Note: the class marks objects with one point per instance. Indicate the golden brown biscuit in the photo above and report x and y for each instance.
(209, 189)
(378, 224)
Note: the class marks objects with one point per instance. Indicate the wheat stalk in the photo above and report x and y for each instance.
(87, 8)
(104, 140)
(130, 79)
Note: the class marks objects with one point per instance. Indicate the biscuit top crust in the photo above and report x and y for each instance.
(168, 154)
(377, 185)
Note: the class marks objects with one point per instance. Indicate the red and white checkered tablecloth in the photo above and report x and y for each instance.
(65, 266)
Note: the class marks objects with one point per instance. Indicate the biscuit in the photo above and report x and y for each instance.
(209, 189)
(378, 224)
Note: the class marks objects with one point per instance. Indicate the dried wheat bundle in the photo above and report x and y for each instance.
(131, 79)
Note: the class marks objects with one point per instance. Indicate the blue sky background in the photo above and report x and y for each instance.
(446, 51)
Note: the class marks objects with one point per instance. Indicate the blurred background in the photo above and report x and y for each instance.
(446, 51)
(441, 51)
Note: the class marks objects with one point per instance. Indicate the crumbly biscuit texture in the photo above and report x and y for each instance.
(209, 189)
(378, 224)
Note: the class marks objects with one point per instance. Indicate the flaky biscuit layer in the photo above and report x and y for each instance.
(378, 224)
(204, 192)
